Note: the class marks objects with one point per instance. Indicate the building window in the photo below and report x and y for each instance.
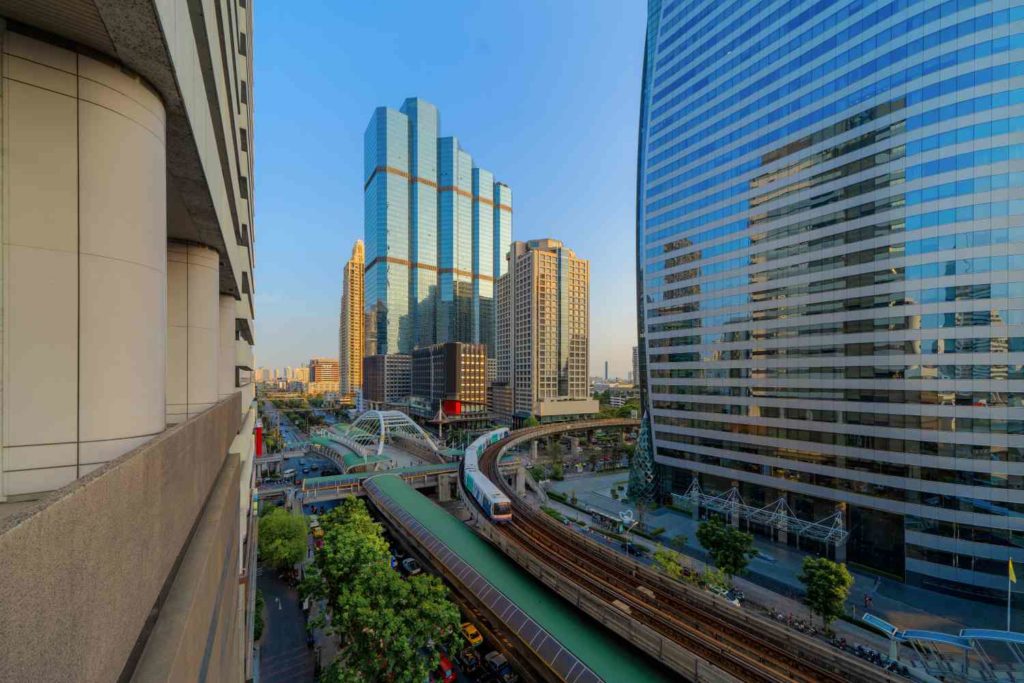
(244, 93)
(241, 44)
(243, 138)
(243, 186)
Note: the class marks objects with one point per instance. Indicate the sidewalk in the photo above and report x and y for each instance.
(775, 570)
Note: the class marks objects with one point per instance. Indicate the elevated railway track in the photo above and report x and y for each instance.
(699, 635)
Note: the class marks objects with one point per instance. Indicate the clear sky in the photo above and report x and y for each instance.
(544, 94)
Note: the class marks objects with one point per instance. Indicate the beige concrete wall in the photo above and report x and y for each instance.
(195, 635)
(82, 570)
(84, 240)
(193, 330)
(226, 361)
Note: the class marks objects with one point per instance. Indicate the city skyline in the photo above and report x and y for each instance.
(314, 187)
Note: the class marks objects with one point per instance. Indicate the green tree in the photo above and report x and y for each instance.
(257, 629)
(828, 586)
(282, 538)
(531, 422)
(679, 541)
(730, 549)
(669, 562)
(382, 621)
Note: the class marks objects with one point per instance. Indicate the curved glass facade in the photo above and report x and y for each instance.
(830, 233)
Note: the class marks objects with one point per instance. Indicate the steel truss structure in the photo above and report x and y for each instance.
(777, 515)
(375, 428)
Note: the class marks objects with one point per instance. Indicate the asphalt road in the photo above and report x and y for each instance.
(284, 656)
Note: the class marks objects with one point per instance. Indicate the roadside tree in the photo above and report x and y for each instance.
(828, 586)
(669, 562)
(730, 549)
(282, 538)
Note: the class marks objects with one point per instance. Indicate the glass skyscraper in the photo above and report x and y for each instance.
(830, 232)
(437, 232)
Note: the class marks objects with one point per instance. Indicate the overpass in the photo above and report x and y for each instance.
(374, 429)
(697, 634)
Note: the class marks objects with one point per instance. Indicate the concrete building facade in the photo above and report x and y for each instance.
(126, 315)
(387, 380)
(448, 378)
(351, 337)
(543, 331)
(436, 228)
(830, 231)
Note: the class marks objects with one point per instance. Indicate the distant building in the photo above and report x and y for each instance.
(449, 378)
(437, 229)
(323, 375)
(606, 371)
(635, 379)
(351, 338)
(386, 380)
(543, 341)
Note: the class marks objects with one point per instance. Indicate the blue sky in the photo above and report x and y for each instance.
(544, 94)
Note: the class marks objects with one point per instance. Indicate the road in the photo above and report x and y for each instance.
(284, 656)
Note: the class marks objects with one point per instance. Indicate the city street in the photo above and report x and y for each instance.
(284, 655)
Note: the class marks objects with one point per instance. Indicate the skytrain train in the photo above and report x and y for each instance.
(495, 504)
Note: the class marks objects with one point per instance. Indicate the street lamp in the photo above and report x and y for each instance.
(627, 519)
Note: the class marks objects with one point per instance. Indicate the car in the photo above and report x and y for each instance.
(445, 672)
(471, 634)
(411, 566)
(314, 466)
(470, 660)
(496, 662)
(305, 470)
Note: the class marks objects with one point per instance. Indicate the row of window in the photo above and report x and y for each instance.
(876, 371)
(960, 398)
(957, 560)
(833, 483)
(965, 532)
(938, 423)
(838, 348)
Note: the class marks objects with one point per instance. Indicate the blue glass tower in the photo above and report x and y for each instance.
(437, 230)
(830, 233)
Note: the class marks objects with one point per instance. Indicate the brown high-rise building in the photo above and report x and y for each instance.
(543, 331)
(323, 375)
(449, 378)
(350, 324)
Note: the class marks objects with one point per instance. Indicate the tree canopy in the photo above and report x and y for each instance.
(388, 627)
(730, 549)
(282, 538)
(828, 586)
(669, 562)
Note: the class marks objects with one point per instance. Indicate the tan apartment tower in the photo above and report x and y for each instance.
(543, 331)
(323, 375)
(350, 324)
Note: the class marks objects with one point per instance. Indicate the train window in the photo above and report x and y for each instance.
(503, 508)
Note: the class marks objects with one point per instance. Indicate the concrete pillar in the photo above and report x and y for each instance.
(533, 451)
(226, 364)
(83, 229)
(520, 481)
(193, 329)
(444, 488)
(734, 515)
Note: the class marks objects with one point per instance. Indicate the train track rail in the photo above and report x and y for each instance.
(743, 645)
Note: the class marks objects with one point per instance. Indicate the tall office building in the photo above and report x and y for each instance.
(449, 378)
(830, 245)
(635, 375)
(323, 375)
(437, 230)
(350, 324)
(543, 338)
(127, 341)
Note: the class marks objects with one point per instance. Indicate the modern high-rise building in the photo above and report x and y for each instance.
(437, 229)
(635, 376)
(350, 324)
(830, 231)
(127, 341)
(543, 343)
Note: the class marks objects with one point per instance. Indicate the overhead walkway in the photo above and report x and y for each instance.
(553, 630)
